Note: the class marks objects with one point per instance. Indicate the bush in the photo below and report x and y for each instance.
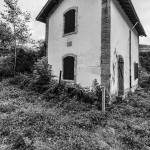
(144, 80)
(145, 61)
(41, 79)
(41, 49)
(7, 108)
(54, 91)
(25, 61)
(145, 83)
(42, 76)
(90, 119)
(64, 91)
(6, 66)
(21, 79)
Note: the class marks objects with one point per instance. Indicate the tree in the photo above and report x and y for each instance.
(18, 22)
(5, 35)
(41, 48)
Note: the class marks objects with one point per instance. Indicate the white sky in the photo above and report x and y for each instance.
(38, 29)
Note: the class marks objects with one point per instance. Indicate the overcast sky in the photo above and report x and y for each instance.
(38, 29)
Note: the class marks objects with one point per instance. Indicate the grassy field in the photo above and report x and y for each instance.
(27, 122)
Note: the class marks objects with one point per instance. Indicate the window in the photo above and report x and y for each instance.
(70, 21)
(136, 71)
(68, 68)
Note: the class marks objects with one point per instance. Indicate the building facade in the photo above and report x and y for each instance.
(94, 39)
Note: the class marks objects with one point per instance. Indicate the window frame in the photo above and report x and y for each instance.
(76, 21)
(75, 68)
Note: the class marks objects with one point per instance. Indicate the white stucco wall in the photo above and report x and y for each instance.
(86, 43)
(120, 26)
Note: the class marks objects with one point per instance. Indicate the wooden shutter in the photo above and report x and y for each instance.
(69, 24)
(121, 77)
(136, 71)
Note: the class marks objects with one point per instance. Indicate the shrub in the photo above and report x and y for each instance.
(64, 91)
(89, 120)
(25, 60)
(145, 61)
(41, 49)
(6, 66)
(21, 79)
(130, 140)
(144, 80)
(41, 79)
(24, 63)
(82, 94)
(54, 91)
(7, 108)
(42, 76)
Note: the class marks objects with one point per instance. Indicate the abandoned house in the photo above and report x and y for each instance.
(94, 39)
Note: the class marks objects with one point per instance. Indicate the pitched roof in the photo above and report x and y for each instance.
(129, 9)
(126, 5)
(49, 7)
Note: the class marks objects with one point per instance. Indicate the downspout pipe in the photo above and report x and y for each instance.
(130, 52)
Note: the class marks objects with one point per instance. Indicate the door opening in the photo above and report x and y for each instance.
(68, 68)
(120, 76)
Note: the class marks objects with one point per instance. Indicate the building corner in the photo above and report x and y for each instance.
(106, 45)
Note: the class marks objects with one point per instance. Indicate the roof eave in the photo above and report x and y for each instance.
(129, 9)
(125, 4)
(45, 10)
(38, 18)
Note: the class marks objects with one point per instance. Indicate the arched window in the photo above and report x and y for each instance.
(69, 68)
(70, 21)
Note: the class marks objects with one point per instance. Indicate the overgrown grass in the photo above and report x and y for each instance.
(63, 118)
(65, 124)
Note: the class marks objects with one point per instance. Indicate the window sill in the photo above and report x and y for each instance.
(67, 34)
(69, 81)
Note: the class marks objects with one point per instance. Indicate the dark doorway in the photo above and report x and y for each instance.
(68, 68)
(120, 76)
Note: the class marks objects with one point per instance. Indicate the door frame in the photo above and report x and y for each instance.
(75, 67)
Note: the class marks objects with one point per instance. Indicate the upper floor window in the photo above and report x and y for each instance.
(70, 21)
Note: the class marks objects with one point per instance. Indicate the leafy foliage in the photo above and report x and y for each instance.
(42, 75)
(63, 91)
(6, 66)
(17, 20)
(25, 61)
(41, 49)
(144, 79)
(145, 61)
(65, 122)
(7, 108)
(22, 80)
(5, 35)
